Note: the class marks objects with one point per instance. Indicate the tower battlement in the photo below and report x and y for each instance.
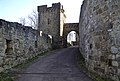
(42, 8)
(54, 6)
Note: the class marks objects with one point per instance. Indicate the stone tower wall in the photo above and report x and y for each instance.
(50, 21)
(100, 36)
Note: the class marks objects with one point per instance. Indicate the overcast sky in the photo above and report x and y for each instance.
(12, 10)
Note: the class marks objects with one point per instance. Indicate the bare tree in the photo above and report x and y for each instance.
(22, 21)
(31, 19)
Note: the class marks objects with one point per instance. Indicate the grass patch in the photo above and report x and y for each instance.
(7, 77)
(94, 76)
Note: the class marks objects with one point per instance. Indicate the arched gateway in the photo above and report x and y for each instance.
(68, 27)
(51, 22)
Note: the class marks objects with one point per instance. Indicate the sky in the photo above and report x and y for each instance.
(13, 10)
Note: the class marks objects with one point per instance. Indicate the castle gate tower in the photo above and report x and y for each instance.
(51, 21)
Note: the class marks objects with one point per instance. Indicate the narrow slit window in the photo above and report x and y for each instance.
(36, 44)
(9, 47)
(48, 21)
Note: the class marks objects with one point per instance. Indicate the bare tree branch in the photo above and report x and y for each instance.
(22, 21)
(31, 20)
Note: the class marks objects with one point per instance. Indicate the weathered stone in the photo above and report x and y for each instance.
(96, 8)
(110, 56)
(99, 11)
(113, 57)
(1, 39)
(115, 78)
(105, 8)
(97, 69)
(97, 45)
(2, 54)
(103, 59)
(6, 67)
(104, 23)
(117, 56)
(114, 50)
(115, 63)
(1, 69)
(118, 71)
(1, 60)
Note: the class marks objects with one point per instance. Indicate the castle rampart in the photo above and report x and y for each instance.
(19, 43)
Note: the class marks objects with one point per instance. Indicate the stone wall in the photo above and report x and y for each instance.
(51, 20)
(19, 43)
(100, 36)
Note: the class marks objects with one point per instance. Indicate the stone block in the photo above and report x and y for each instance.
(105, 8)
(0, 30)
(118, 71)
(1, 49)
(110, 57)
(96, 8)
(114, 7)
(115, 63)
(6, 67)
(99, 11)
(117, 41)
(118, 60)
(0, 35)
(115, 78)
(97, 69)
(1, 45)
(97, 45)
(1, 39)
(114, 50)
(113, 57)
(2, 54)
(117, 56)
(1, 69)
(1, 60)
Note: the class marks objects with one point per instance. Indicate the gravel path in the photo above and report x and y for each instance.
(60, 65)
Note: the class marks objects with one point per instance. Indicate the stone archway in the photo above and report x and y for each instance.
(68, 27)
(72, 39)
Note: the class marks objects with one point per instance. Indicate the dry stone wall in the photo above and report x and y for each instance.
(100, 36)
(19, 43)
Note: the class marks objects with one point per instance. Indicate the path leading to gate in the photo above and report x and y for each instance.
(60, 65)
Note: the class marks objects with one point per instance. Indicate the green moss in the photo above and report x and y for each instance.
(7, 77)
(94, 76)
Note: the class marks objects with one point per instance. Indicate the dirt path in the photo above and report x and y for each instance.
(59, 66)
